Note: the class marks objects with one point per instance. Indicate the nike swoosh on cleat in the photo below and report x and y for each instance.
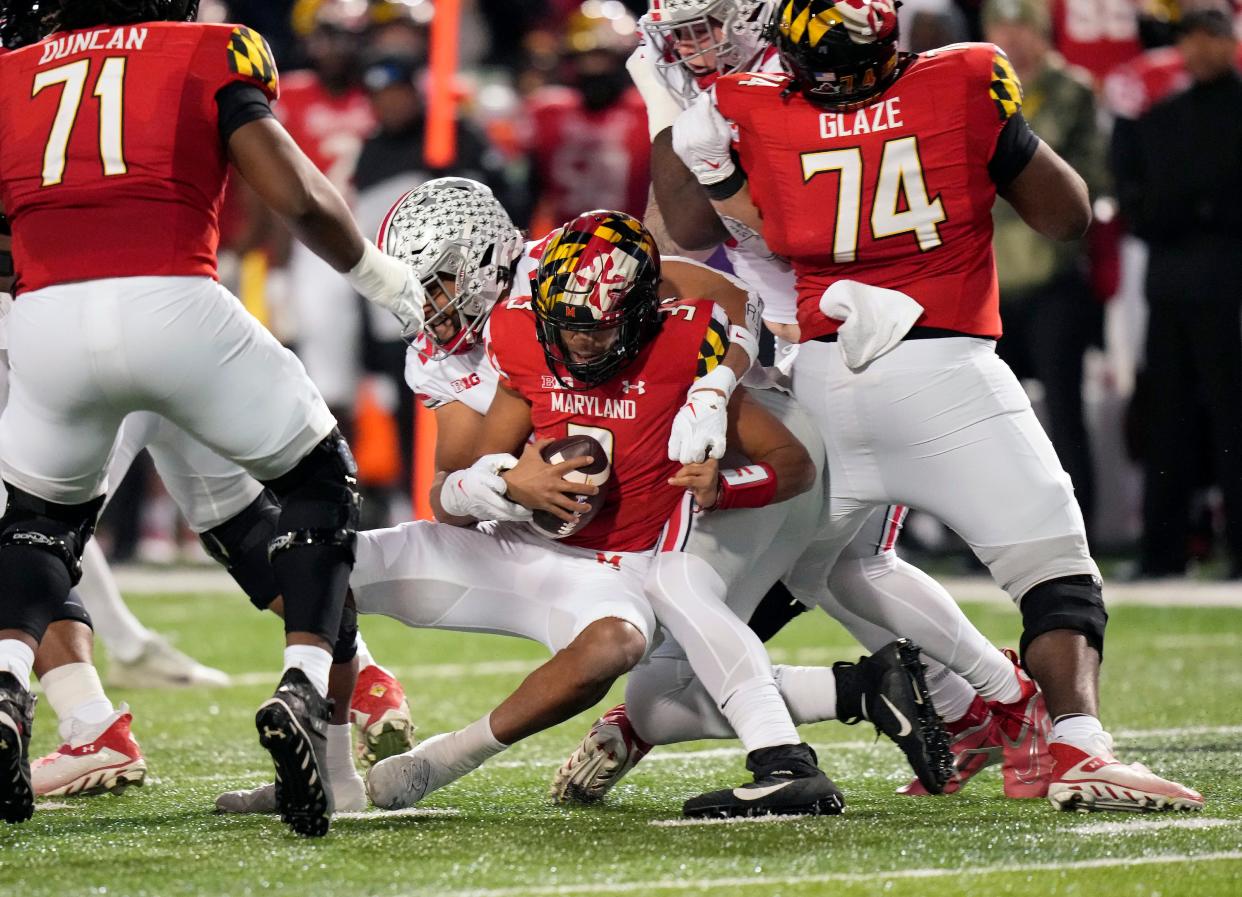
(906, 728)
(756, 793)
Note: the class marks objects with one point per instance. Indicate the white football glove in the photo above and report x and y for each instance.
(479, 491)
(867, 20)
(702, 140)
(391, 284)
(700, 427)
(662, 105)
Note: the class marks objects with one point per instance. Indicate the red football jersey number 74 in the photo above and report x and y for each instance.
(109, 89)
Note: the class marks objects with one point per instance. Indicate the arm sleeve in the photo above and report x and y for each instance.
(239, 103)
(715, 343)
(1014, 148)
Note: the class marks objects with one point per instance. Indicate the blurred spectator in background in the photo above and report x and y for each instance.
(1050, 313)
(927, 24)
(588, 138)
(327, 112)
(1179, 179)
(1098, 35)
(392, 163)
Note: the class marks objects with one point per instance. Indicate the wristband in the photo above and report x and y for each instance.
(742, 337)
(722, 190)
(752, 486)
(379, 277)
(721, 378)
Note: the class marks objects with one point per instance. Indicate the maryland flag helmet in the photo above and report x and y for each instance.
(827, 65)
(598, 272)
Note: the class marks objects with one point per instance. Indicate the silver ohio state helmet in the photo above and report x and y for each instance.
(692, 26)
(453, 229)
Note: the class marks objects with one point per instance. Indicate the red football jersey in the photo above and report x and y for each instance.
(111, 164)
(330, 128)
(631, 415)
(589, 160)
(895, 194)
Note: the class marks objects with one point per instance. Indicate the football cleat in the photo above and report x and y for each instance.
(349, 797)
(402, 781)
(293, 728)
(788, 782)
(975, 741)
(107, 760)
(609, 751)
(160, 665)
(1025, 730)
(379, 711)
(888, 690)
(1085, 781)
(16, 717)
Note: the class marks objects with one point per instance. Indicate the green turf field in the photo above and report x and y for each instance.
(1172, 690)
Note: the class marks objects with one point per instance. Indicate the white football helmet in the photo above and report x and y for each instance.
(453, 228)
(691, 25)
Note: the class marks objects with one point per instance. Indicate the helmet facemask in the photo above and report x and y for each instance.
(726, 36)
(598, 273)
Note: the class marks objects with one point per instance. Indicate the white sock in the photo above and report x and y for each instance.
(315, 662)
(16, 657)
(114, 623)
(76, 695)
(340, 753)
(1083, 732)
(759, 715)
(364, 653)
(810, 693)
(950, 694)
(454, 754)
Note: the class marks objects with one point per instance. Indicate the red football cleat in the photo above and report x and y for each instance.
(379, 710)
(975, 741)
(609, 751)
(1025, 730)
(109, 763)
(1084, 781)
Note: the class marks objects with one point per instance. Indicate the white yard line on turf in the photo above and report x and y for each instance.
(137, 580)
(871, 877)
(1139, 826)
(736, 820)
(442, 812)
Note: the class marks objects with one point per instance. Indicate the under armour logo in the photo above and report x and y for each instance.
(272, 733)
(638, 386)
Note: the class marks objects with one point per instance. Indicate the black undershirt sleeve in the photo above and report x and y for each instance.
(239, 103)
(1014, 148)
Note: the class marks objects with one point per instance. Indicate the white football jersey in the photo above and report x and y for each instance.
(462, 377)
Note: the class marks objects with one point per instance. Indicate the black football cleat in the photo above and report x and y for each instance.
(16, 716)
(787, 783)
(888, 689)
(293, 728)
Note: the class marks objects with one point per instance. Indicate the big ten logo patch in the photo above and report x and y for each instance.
(464, 383)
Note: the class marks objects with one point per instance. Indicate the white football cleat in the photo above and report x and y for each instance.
(1099, 781)
(160, 665)
(106, 760)
(402, 781)
(349, 796)
(609, 751)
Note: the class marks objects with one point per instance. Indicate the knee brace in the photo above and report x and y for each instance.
(73, 610)
(312, 552)
(1069, 602)
(240, 544)
(41, 546)
(775, 611)
(346, 647)
(319, 499)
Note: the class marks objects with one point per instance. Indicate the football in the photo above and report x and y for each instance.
(596, 473)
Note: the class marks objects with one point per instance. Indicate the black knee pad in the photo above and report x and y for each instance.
(346, 647)
(41, 546)
(774, 612)
(1069, 602)
(319, 499)
(241, 543)
(312, 552)
(73, 610)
